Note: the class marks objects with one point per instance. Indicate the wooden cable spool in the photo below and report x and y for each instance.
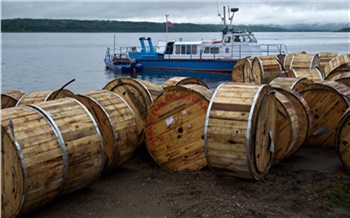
(116, 122)
(139, 95)
(303, 115)
(343, 78)
(324, 58)
(265, 69)
(287, 128)
(82, 138)
(10, 98)
(304, 61)
(34, 161)
(175, 127)
(337, 66)
(42, 96)
(288, 60)
(328, 100)
(343, 140)
(238, 71)
(295, 84)
(240, 130)
(311, 74)
(247, 70)
(178, 80)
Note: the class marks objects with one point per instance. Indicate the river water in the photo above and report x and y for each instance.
(42, 61)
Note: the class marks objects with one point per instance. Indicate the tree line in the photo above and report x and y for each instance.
(66, 25)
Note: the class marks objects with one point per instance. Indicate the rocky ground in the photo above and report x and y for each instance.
(312, 183)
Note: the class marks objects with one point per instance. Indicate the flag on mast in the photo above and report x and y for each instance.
(169, 24)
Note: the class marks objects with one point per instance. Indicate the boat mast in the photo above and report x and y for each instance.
(166, 26)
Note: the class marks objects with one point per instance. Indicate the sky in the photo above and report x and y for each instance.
(268, 12)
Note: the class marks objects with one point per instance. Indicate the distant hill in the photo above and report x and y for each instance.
(65, 25)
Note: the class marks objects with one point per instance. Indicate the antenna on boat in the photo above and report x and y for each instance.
(233, 10)
(166, 26)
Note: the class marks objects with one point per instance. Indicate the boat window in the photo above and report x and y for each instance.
(239, 39)
(206, 50)
(194, 49)
(214, 50)
(228, 39)
(253, 39)
(188, 49)
(177, 49)
(183, 49)
(246, 39)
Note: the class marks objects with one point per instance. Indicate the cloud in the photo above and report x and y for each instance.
(251, 12)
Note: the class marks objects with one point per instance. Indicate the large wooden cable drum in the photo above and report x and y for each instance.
(303, 114)
(175, 127)
(304, 61)
(139, 95)
(178, 80)
(82, 139)
(337, 66)
(10, 98)
(296, 84)
(237, 71)
(343, 140)
(265, 69)
(328, 100)
(324, 58)
(42, 96)
(288, 60)
(240, 130)
(311, 74)
(34, 161)
(116, 122)
(287, 128)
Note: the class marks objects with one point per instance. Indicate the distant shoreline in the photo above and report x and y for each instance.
(104, 26)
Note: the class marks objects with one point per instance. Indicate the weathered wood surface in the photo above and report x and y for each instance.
(10, 98)
(288, 60)
(265, 69)
(304, 61)
(343, 140)
(34, 161)
(139, 95)
(178, 80)
(116, 122)
(247, 70)
(311, 74)
(287, 128)
(238, 71)
(241, 122)
(328, 100)
(287, 83)
(337, 65)
(42, 96)
(343, 78)
(303, 113)
(82, 138)
(324, 58)
(175, 127)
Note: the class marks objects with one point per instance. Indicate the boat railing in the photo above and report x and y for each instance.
(268, 49)
(215, 51)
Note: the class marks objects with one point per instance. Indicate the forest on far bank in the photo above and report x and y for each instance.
(67, 25)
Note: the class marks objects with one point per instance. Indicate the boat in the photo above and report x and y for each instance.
(122, 63)
(205, 56)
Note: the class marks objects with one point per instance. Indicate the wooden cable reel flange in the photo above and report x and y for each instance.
(343, 140)
(324, 58)
(337, 66)
(328, 100)
(178, 80)
(117, 124)
(239, 133)
(265, 69)
(34, 161)
(10, 98)
(304, 61)
(343, 78)
(175, 127)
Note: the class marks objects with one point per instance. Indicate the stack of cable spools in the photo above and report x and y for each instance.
(312, 98)
(55, 142)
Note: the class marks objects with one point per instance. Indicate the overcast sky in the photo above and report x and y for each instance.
(201, 12)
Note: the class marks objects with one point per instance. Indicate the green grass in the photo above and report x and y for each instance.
(340, 194)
